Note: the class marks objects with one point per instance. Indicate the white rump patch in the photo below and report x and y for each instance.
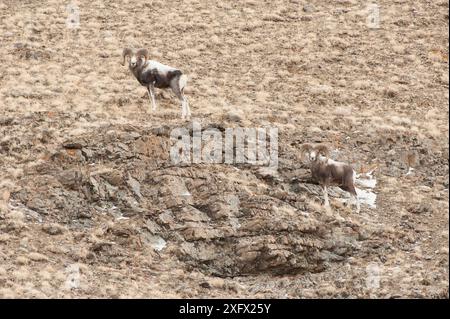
(183, 81)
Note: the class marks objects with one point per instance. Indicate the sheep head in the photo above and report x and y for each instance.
(305, 150)
(321, 150)
(137, 58)
(314, 152)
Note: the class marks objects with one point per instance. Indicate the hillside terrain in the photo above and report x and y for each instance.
(91, 205)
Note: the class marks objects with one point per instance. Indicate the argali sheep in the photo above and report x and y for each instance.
(327, 172)
(153, 74)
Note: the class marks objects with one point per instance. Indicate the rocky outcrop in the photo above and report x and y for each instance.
(225, 220)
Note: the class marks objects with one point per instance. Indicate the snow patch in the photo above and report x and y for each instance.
(157, 243)
(365, 194)
(367, 183)
(367, 197)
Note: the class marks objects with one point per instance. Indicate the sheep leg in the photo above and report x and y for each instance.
(186, 107)
(358, 205)
(178, 91)
(352, 190)
(151, 95)
(182, 81)
(186, 103)
(325, 197)
(183, 110)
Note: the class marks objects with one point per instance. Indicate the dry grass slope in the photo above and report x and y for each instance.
(312, 68)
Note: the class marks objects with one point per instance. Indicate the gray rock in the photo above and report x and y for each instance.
(53, 229)
(135, 186)
(309, 8)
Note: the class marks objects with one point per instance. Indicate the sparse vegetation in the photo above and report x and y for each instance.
(91, 207)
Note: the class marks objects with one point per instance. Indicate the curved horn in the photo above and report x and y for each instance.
(126, 52)
(323, 150)
(143, 52)
(305, 148)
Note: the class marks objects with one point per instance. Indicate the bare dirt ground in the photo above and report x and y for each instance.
(91, 205)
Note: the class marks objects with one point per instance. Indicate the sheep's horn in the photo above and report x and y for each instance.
(322, 149)
(126, 52)
(305, 148)
(143, 52)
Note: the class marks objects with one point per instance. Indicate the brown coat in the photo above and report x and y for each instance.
(334, 174)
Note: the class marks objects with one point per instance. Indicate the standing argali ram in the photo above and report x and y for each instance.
(153, 74)
(327, 172)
